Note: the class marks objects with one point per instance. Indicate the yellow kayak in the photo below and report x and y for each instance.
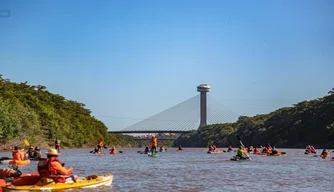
(18, 162)
(48, 184)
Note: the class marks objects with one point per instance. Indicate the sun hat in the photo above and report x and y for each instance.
(53, 152)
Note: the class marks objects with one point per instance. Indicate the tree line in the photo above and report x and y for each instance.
(33, 113)
(305, 123)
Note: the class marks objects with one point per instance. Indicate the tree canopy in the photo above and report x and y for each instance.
(33, 113)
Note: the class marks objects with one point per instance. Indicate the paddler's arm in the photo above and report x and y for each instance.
(60, 169)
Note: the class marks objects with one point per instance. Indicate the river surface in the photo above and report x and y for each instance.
(195, 170)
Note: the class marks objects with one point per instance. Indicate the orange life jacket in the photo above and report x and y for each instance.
(45, 169)
(100, 142)
(154, 141)
(17, 155)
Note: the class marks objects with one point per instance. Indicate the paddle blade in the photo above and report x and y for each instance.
(26, 143)
(120, 151)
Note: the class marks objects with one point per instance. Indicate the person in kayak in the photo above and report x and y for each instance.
(19, 154)
(229, 148)
(180, 148)
(57, 145)
(99, 145)
(265, 150)
(274, 150)
(162, 148)
(113, 150)
(154, 142)
(147, 150)
(51, 167)
(241, 153)
(37, 153)
(324, 152)
(313, 149)
(31, 152)
(256, 151)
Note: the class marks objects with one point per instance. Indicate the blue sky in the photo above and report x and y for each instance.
(136, 58)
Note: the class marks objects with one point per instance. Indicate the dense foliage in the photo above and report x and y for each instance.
(33, 113)
(308, 122)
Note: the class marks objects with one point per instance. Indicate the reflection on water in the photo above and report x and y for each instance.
(195, 170)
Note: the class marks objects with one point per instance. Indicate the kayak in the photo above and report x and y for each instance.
(179, 150)
(15, 162)
(162, 151)
(43, 184)
(216, 152)
(99, 154)
(325, 155)
(153, 155)
(238, 159)
(277, 154)
(113, 153)
(260, 153)
(18, 162)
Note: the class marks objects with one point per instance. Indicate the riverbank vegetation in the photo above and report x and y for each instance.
(305, 123)
(33, 113)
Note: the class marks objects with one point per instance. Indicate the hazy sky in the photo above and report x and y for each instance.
(133, 59)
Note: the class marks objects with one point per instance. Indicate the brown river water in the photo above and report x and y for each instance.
(195, 170)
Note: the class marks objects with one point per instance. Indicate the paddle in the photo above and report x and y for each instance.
(26, 143)
(239, 138)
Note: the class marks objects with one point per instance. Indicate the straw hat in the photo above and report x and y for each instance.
(52, 152)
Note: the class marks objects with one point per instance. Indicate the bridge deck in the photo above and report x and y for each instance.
(120, 132)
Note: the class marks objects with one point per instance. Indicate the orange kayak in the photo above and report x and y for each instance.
(260, 153)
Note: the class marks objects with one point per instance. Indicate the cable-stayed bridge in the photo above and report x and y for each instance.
(184, 117)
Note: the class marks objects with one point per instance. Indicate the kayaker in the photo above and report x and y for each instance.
(210, 148)
(274, 150)
(241, 153)
(147, 149)
(51, 167)
(19, 154)
(256, 151)
(154, 142)
(113, 150)
(324, 152)
(37, 153)
(180, 148)
(229, 148)
(57, 145)
(265, 150)
(99, 145)
(9, 172)
(31, 152)
(161, 148)
(313, 149)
